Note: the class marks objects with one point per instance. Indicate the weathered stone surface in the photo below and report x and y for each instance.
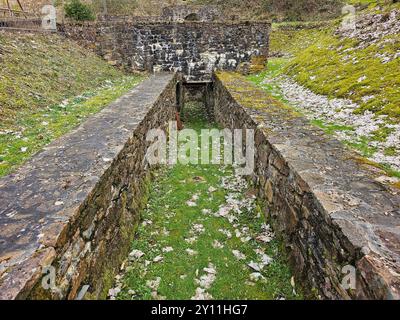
(194, 48)
(327, 206)
(75, 205)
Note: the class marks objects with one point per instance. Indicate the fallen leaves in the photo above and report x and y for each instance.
(135, 255)
(238, 255)
(205, 282)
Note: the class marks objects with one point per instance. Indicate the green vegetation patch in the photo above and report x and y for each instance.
(35, 130)
(49, 85)
(37, 71)
(250, 96)
(337, 68)
(169, 221)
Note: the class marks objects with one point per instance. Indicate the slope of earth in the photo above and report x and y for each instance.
(203, 237)
(48, 85)
(346, 81)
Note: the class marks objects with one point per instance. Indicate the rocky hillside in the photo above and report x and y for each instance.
(346, 80)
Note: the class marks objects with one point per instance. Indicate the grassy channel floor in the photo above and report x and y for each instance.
(183, 250)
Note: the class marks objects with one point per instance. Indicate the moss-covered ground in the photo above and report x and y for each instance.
(367, 73)
(179, 228)
(338, 67)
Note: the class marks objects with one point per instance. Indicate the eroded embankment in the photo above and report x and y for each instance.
(319, 196)
(74, 206)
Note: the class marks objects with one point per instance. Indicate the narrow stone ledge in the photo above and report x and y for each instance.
(324, 202)
(74, 206)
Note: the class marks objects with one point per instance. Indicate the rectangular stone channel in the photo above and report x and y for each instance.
(322, 199)
(74, 206)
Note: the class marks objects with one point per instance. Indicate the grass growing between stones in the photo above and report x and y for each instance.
(34, 130)
(184, 249)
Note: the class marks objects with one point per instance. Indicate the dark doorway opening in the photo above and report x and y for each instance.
(192, 17)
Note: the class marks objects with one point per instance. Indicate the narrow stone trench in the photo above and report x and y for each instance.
(203, 236)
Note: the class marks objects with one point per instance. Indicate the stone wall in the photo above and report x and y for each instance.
(320, 197)
(194, 48)
(75, 205)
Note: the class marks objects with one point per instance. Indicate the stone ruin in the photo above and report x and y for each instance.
(192, 40)
(77, 219)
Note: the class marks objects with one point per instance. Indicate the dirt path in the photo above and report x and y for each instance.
(203, 236)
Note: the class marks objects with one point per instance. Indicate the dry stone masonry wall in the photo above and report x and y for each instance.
(319, 196)
(74, 206)
(194, 48)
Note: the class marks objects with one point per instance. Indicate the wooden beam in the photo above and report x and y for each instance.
(9, 8)
(22, 9)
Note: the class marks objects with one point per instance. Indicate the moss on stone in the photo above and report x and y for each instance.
(250, 96)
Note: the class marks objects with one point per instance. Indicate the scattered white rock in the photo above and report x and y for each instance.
(208, 278)
(198, 228)
(147, 223)
(217, 245)
(154, 284)
(136, 254)
(238, 255)
(227, 233)
(201, 294)
(255, 266)
(158, 259)
(341, 112)
(256, 276)
(191, 240)
(191, 252)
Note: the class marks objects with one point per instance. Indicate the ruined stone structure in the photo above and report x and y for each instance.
(334, 217)
(79, 217)
(184, 39)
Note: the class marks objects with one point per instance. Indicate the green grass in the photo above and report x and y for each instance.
(358, 73)
(336, 67)
(331, 128)
(277, 66)
(274, 69)
(49, 85)
(171, 190)
(37, 71)
(37, 129)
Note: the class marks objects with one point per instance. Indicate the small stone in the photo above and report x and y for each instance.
(238, 255)
(136, 254)
(168, 249)
(191, 252)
